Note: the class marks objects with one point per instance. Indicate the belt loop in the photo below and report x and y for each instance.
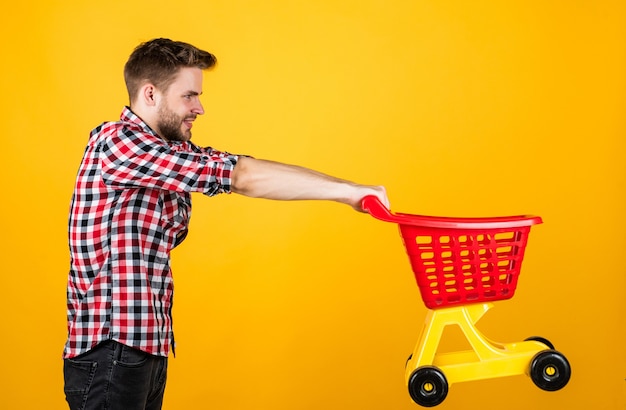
(117, 350)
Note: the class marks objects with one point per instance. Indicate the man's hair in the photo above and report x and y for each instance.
(158, 61)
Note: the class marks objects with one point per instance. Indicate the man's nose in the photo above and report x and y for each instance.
(198, 109)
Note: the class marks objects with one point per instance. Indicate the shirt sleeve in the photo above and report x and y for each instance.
(132, 159)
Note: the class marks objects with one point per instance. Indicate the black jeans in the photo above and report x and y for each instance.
(112, 376)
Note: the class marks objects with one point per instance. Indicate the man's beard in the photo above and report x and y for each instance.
(170, 124)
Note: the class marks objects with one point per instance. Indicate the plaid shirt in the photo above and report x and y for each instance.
(130, 208)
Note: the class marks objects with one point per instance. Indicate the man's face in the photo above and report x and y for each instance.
(180, 105)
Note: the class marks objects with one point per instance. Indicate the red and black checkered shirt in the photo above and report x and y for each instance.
(130, 208)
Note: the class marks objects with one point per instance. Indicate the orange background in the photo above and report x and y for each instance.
(459, 108)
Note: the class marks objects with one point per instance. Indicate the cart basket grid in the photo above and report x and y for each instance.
(458, 261)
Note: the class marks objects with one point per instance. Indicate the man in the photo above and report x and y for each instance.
(131, 207)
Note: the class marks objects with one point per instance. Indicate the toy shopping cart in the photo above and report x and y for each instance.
(462, 265)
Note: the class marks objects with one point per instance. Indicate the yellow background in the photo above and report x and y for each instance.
(472, 108)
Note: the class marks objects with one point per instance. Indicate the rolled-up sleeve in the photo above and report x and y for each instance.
(221, 165)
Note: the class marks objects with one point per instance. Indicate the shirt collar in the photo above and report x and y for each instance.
(129, 116)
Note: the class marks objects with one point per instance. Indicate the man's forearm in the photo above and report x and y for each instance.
(273, 180)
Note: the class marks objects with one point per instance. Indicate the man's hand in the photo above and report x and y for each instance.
(365, 190)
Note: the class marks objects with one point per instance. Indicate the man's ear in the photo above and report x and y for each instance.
(149, 94)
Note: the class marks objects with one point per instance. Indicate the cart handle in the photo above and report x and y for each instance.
(374, 207)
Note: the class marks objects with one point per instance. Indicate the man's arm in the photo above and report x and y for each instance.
(274, 180)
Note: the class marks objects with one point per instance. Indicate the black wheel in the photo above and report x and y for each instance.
(541, 340)
(550, 370)
(428, 386)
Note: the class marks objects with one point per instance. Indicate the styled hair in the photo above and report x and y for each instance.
(158, 61)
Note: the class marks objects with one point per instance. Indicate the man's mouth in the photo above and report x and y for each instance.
(189, 122)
